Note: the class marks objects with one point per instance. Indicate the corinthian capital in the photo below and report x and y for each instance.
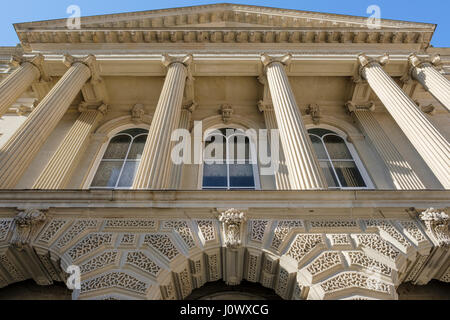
(284, 60)
(26, 224)
(168, 60)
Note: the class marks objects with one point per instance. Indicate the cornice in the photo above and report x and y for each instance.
(205, 199)
(224, 23)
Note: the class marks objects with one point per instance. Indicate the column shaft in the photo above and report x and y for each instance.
(403, 176)
(304, 170)
(21, 148)
(153, 171)
(434, 82)
(282, 175)
(177, 169)
(427, 140)
(16, 83)
(60, 168)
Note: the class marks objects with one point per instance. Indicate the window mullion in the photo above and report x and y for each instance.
(124, 162)
(331, 162)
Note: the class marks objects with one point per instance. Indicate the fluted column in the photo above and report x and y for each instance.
(304, 169)
(282, 175)
(153, 171)
(60, 167)
(185, 120)
(427, 140)
(21, 148)
(403, 176)
(28, 71)
(431, 79)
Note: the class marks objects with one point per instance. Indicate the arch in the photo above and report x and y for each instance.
(345, 128)
(135, 257)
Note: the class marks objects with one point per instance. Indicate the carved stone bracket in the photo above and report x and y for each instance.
(26, 224)
(232, 222)
(427, 108)
(437, 223)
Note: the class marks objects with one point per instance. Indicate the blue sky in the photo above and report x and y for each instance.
(430, 11)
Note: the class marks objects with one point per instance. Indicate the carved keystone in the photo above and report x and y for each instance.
(232, 221)
(436, 222)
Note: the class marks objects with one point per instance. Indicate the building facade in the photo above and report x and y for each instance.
(357, 206)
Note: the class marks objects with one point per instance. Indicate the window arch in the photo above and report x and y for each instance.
(120, 160)
(339, 162)
(229, 161)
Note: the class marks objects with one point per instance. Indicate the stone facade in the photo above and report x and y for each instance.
(66, 94)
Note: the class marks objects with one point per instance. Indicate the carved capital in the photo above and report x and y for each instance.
(84, 107)
(264, 106)
(365, 61)
(37, 61)
(436, 222)
(26, 224)
(284, 60)
(168, 60)
(137, 113)
(353, 107)
(90, 61)
(232, 222)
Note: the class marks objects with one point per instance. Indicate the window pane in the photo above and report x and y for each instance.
(107, 174)
(318, 147)
(215, 147)
(137, 147)
(215, 175)
(329, 174)
(135, 131)
(239, 148)
(118, 147)
(128, 173)
(241, 175)
(319, 132)
(337, 148)
(348, 174)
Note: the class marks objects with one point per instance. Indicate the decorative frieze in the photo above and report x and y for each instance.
(163, 244)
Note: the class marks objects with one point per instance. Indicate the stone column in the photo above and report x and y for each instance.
(185, 120)
(282, 175)
(304, 169)
(60, 168)
(22, 147)
(427, 140)
(403, 176)
(431, 79)
(28, 71)
(153, 171)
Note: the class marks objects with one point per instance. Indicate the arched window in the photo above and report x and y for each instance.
(120, 160)
(339, 164)
(229, 161)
